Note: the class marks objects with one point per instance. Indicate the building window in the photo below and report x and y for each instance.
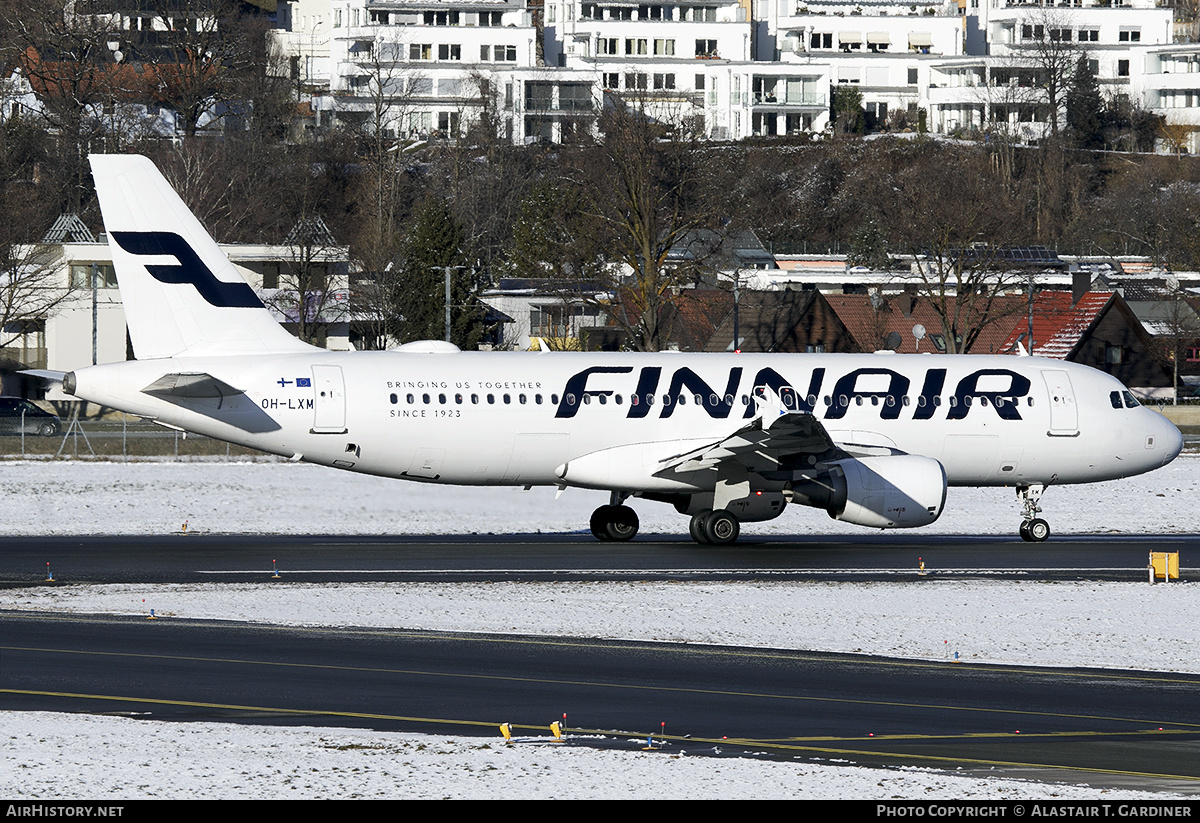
(1122, 68)
(106, 277)
(664, 48)
(1130, 36)
(449, 51)
(636, 46)
(441, 18)
(420, 51)
(607, 45)
(706, 48)
(821, 40)
(1089, 35)
(912, 77)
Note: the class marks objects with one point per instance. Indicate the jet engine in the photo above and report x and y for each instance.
(891, 492)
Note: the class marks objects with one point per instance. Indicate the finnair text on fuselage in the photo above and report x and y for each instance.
(885, 388)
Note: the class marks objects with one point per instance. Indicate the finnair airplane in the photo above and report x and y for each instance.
(872, 439)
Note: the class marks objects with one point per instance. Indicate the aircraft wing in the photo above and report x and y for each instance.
(762, 446)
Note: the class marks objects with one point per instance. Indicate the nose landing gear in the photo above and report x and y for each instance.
(1034, 529)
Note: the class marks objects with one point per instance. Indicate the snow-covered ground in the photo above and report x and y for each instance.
(49, 497)
(66, 756)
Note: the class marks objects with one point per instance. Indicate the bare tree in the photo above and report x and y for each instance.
(1047, 42)
(645, 192)
(198, 52)
(945, 209)
(63, 51)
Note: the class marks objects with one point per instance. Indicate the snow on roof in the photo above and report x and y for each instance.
(1059, 325)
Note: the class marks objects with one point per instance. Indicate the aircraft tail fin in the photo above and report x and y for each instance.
(181, 294)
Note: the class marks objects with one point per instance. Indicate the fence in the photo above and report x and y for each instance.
(107, 439)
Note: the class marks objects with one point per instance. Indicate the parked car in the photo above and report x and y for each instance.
(14, 410)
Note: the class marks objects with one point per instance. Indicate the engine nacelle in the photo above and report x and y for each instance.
(753, 508)
(899, 491)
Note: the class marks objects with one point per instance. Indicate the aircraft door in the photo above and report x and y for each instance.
(329, 400)
(1064, 415)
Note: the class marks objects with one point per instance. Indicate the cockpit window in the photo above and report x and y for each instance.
(1117, 397)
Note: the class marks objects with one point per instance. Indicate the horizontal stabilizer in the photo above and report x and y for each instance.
(48, 375)
(195, 384)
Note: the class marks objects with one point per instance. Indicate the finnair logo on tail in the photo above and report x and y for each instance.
(190, 269)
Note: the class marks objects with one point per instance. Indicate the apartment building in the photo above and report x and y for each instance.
(732, 69)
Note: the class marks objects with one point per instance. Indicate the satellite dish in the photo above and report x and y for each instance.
(893, 341)
(919, 332)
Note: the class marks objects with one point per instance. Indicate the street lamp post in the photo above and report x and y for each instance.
(445, 270)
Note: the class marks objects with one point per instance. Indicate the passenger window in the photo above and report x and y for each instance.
(521, 399)
(458, 399)
(410, 399)
(394, 398)
(425, 398)
(475, 399)
(507, 399)
(491, 398)
(442, 399)
(554, 399)
(537, 398)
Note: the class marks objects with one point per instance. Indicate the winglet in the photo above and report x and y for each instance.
(768, 405)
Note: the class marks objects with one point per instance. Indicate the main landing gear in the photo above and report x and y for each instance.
(1034, 529)
(615, 521)
(716, 528)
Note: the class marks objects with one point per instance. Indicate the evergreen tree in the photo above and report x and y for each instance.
(417, 293)
(1085, 108)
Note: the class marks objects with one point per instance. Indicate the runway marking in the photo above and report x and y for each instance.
(741, 742)
(899, 572)
(617, 686)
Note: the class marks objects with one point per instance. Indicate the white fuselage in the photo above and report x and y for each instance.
(517, 418)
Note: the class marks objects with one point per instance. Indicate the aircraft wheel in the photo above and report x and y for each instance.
(599, 522)
(721, 527)
(1038, 530)
(1024, 530)
(696, 527)
(622, 523)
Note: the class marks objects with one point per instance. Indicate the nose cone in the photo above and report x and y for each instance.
(1167, 440)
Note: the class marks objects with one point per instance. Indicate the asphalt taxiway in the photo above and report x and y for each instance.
(1104, 727)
